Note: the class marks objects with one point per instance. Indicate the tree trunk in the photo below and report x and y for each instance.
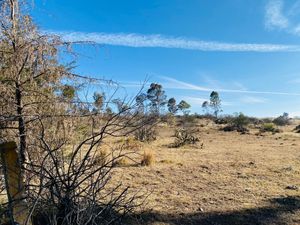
(21, 125)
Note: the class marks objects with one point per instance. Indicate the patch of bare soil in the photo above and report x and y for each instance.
(234, 179)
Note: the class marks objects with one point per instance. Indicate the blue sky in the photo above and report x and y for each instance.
(248, 50)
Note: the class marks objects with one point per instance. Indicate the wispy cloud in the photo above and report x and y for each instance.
(253, 100)
(239, 85)
(177, 84)
(172, 83)
(194, 100)
(209, 80)
(199, 101)
(161, 41)
(278, 18)
(274, 15)
(295, 114)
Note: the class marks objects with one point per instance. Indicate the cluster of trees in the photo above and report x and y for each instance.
(152, 104)
(154, 101)
(182, 106)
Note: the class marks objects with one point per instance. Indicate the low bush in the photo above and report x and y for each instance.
(184, 137)
(282, 120)
(145, 134)
(101, 158)
(240, 120)
(232, 128)
(120, 162)
(221, 121)
(237, 123)
(267, 120)
(169, 118)
(269, 127)
(130, 143)
(188, 120)
(205, 116)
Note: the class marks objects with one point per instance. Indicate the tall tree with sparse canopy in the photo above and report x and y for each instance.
(141, 103)
(99, 99)
(172, 107)
(215, 103)
(205, 107)
(30, 75)
(184, 107)
(156, 96)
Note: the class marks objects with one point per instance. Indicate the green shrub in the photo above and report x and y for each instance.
(267, 120)
(240, 120)
(269, 127)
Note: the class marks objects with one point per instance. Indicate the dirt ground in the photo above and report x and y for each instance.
(234, 179)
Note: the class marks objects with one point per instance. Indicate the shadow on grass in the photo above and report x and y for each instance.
(278, 212)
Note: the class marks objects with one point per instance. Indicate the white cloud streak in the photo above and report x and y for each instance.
(172, 83)
(253, 100)
(160, 41)
(278, 18)
(295, 114)
(177, 84)
(199, 101)
(274, 15)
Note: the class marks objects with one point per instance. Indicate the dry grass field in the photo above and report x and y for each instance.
(234, 179)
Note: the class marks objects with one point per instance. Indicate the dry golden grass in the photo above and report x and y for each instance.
(148, 158)
(242, 178)
(234, 180)
(102, 157)
(121, 162)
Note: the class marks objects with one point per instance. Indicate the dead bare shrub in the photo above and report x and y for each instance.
(131, 143)
(185, 136)
(146, 134)
(101, 158)
(169, 119)
(282, 120)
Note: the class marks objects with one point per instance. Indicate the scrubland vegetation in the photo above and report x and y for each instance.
(108, 159)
